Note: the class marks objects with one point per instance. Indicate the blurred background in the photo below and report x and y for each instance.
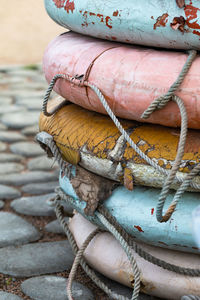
(26, 29)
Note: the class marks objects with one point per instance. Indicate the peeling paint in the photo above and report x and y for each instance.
(152, 211)
(103, 19)
(115, 13)
(69, 6)
(138, 228)
(161, 21)
(178, 23)
(191, 16)
(59, 3)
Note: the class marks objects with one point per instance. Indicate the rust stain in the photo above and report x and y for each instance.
(115, 13)
(191, 16)
(139, 228)
(106, 20)
(196, 32)
(178, 23)
(161, 21)
(152, 211)
(59, 3)
(69, 6)
(113, 38)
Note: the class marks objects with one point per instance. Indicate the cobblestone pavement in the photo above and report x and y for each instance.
(35, 255)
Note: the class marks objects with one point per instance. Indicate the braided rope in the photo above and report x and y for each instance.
(129, 140)
(175, 167)
(48, 93)
(84, 265)
(160, 102)
(138, 249)
(47, 139)
(148, 257)
(77, 260)
(127, 250)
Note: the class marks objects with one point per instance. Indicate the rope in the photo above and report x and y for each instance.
(84, 265)
(43, 138)
(47, 95)
(138, 249)
(142, 253)
(160, 102)
(77, 260)
(127, 250)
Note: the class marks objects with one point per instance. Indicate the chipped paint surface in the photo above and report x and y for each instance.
(103, 149)
(126, 22)
(193, 18)
(161, 21)
(138, 228)
(68, 6)
(132, 210)
(154, 280)
(92, 18)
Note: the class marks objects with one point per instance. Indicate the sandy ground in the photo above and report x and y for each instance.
(25, 31)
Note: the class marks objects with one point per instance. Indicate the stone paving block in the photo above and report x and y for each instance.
(36, 259)
(30, 85)
(42, 163)
(28, 94)
(55, 227)
(1, 204)
(11, 167)
(30, 130)
(34, 104)
(9, 296)
(10, 157)
(11, 136)
(7, 192)
(34, 205)
(18, 179)
(20, 120)
(40, 188)
(27, 149)
(7, 109)
(54, 287)
(16, 231)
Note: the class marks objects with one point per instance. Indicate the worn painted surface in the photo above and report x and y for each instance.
(106, 256)
(133, 211)
(125, 21)
(130, 78)
(93, 141)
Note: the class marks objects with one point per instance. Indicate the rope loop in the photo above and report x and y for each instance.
(161, 101)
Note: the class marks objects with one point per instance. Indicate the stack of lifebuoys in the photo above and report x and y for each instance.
(127, 137)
